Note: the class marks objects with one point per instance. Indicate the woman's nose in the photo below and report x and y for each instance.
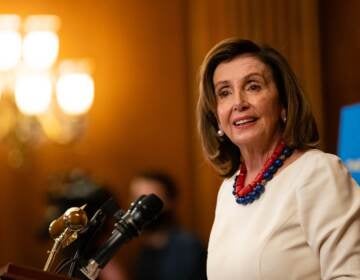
(240, 102)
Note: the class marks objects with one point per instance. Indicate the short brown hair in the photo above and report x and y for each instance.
(300, 130)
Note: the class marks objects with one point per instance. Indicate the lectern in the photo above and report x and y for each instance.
(16, 272)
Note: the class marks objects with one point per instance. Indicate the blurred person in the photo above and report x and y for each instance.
(167, 251)
(75, 188)
(285, 210)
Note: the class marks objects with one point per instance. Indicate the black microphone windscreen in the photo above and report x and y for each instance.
(152, 205)
(144, 211)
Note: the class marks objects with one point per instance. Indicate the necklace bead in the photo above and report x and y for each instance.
(247, 194)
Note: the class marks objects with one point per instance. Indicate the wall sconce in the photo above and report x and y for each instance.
(40, 97)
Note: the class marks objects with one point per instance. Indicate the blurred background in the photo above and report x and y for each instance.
(141, 60)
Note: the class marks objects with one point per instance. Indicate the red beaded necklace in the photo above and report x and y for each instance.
(247, 194)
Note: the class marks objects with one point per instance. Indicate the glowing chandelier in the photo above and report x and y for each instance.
(40, 97)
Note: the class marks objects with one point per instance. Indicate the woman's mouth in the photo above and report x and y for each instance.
(243, 122)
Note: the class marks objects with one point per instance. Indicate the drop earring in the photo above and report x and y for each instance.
(220, 133)
(283, 116)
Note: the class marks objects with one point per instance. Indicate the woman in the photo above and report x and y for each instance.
(285, 209)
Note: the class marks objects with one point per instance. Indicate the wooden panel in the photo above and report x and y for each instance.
(340, 38)
(137, 121)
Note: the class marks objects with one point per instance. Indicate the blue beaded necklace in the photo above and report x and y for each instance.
(248, 194)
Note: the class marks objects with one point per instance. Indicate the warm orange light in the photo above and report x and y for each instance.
(10, 42)
(75, 93)
(41, 42)
(28, 70)
(33, 93)
(40, 49)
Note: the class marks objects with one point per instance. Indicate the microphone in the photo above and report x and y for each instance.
(75, 218)
(128, 225)
(108, 208)
(88, 234)
(64, 230)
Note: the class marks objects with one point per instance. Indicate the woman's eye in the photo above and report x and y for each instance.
(253, 87)
(223, 93)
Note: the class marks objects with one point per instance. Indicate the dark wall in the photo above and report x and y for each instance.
(340, 50)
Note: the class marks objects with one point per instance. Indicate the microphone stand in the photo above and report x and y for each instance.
(83, 248)
(128, 225)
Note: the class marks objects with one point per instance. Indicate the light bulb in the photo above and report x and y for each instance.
(41, 42)
(75, 92)
(10, 41)
(40, 49)
(33, 93)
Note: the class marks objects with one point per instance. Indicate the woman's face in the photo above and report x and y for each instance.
(248, 106)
